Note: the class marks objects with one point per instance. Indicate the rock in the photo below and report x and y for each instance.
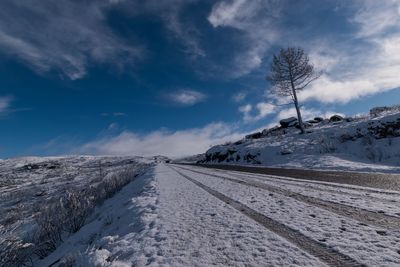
(254, 136)
(313, 121)
(318, 119)
(293, 124)
(335, 118)
(277, 130)
(381, 232)
(305, 125)
(41, 193)
(239, 142)
(376, 111)
(286, 122)
(346, 137)
(286, 152)
(266, 132)
(251, 158)
(219, 156)
(31, 167)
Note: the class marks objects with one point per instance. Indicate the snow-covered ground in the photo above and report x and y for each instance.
(29, 185)
(353, 144)
(164, 219)
(365, 243)
(171, 222)
(375, 200)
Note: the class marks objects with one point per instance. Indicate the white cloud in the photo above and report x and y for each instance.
(186, 97)
(246, 109)
(239, 97)
(375, 17)
(5, 103)
(262, 110)
(226, 13)
(354, 68)
(63, 35)
(163, 142)
(255, 19)
(186, 33)
(352, 76)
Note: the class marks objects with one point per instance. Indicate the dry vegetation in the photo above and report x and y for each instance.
(39, 214)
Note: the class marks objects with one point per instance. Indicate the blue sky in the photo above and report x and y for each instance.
(173, 77)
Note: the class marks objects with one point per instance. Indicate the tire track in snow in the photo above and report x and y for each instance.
(294, 181)
(365, 179)
(358, 214)
(310, 185)
(326, 254)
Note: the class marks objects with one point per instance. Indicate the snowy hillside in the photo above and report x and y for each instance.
(369, 143)
(44, 199)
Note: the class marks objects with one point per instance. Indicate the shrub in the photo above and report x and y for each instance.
(57, 216)
(13, 251)
(326, 145)
(75, 208)
(48, 234)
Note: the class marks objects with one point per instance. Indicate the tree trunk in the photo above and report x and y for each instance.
(296, 104)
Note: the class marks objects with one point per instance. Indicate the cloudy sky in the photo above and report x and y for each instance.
(173, 77)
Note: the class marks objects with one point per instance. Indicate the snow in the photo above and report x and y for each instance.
(356, 144)
(28, 183)
(361, 242)
(162, 219)
(376, 200)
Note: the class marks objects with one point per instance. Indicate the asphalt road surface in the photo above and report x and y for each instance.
(373, 180)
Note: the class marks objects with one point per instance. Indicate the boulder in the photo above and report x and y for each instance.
(277, 130)
(318, 119)
(286, 122)
(305, 125)
(266, 132)
(335, 118)
(293, 124)
(346, 137)
(254, 136)
(286, 152)
(239, 142)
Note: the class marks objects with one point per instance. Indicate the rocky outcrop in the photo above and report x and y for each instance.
(335, 118)
(277, 130)
(254, 136)
(289, 122)
(375, 130)
(377, 111)
(385, 129)
(318, 119)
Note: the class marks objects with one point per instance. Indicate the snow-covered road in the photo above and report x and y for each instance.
(192, 216)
